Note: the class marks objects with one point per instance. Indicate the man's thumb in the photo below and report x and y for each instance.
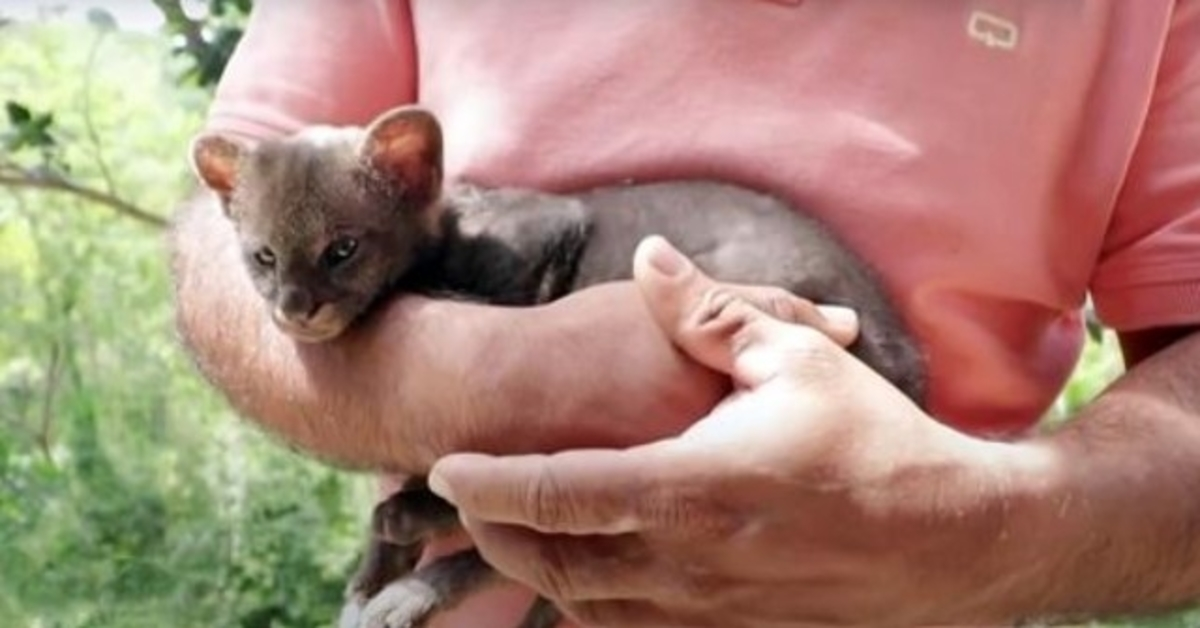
(708, 319)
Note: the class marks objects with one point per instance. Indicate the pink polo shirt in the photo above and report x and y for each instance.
(995, 160)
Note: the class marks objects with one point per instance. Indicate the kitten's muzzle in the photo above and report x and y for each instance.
(298, 315)
(295, 304)
(322, 326)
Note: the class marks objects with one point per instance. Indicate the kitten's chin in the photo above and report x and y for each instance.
(309, 336)
(316, 330)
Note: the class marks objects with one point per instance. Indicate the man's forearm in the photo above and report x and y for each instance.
(422, 378)
(1117, 527)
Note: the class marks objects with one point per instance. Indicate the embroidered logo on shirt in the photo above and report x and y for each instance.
(993, 31)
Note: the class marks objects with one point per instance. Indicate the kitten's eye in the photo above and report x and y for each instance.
(339, 251)
(265, 257)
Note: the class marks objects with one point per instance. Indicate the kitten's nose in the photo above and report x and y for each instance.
(295, 304)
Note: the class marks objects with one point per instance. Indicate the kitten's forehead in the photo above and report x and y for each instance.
(304, 185)
(309, 163)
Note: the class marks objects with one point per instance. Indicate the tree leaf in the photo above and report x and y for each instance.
(29, 128)
(42, 121)
(18, 114)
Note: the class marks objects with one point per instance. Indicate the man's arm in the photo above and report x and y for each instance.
(1121, 528)
(425, 377)
(1128, 467)
(818, 495)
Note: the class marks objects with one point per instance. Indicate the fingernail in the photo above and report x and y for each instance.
(838, 315)
(666, 259)
(438, 485)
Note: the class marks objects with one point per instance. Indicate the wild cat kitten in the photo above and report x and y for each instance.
(333, 220)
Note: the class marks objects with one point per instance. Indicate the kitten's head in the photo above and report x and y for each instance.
(328, 219)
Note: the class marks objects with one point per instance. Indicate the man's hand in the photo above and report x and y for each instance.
(816, 494)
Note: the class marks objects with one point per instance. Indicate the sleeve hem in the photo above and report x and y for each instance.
(249, 128)
(1147, 306)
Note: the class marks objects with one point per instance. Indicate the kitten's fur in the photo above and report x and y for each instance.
(331, 220)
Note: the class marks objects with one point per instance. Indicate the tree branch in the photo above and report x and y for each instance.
(88, 122)
(45, 434)
(190, 29)
(55, 183)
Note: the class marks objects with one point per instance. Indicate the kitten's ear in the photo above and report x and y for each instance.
(215, 160)
(405, 146)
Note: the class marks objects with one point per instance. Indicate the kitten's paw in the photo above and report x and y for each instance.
(406, 603)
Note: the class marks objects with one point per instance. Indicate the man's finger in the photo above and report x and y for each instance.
(705, 317)
(632, 614)
(574, 492)
(570, 568)
(764, 349)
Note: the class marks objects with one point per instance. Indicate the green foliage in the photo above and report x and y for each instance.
(208, 42)
(129, 494)
(1099, 365)
(27, 129)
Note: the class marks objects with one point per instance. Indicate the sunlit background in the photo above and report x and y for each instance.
(129, 494)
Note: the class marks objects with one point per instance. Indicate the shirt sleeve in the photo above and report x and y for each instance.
(305, 62)
(1149, 270)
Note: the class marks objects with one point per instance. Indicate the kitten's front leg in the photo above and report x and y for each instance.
(389, 594)
(413, 600)
(383, 563)
(412, 515)
(543, 614)
(400, 526)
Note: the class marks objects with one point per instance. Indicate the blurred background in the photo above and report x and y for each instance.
(130, 495)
